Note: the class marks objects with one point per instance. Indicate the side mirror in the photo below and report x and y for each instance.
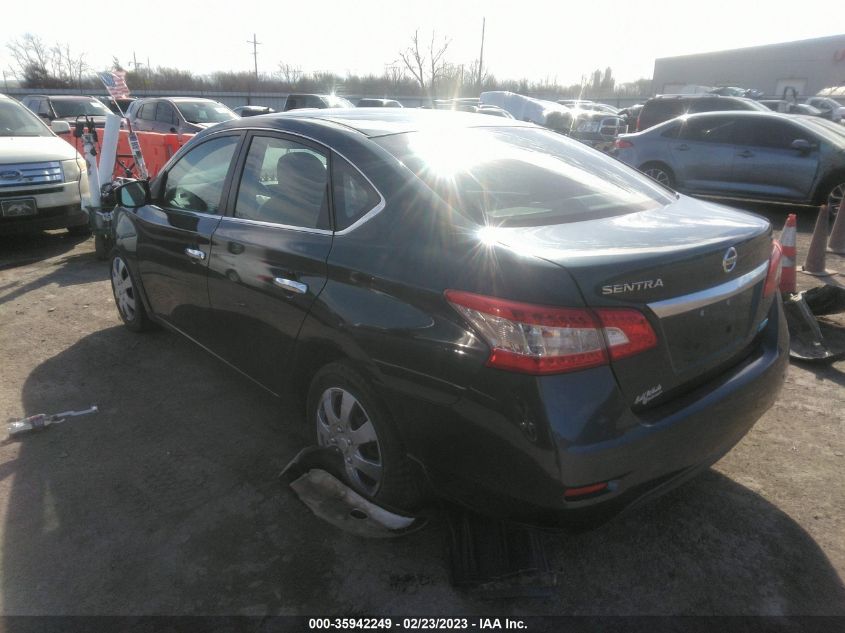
(133, 194)
(802, 145)
(60, 127)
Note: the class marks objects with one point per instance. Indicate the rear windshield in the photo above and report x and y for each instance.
(16, 120)
(523, 176)
(76, 107)
(205, 111)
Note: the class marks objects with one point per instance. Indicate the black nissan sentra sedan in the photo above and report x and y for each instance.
(472, 305)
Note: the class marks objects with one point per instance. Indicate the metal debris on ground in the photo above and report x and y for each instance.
(813, 339)
(41, 421)
(496, 559)
(316, 476)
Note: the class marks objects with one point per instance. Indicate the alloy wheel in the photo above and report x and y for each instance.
(834, 198)
(343, 424)
(124, 291)
(660, 175)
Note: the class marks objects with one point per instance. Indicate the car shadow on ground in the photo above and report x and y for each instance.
(68, 270)
(20, 250)
(167, 501)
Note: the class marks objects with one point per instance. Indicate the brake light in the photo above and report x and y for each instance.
(773, 274)
(622, 144)
(537, 339)
(638, 122)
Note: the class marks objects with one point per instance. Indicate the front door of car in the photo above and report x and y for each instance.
(268, 257)
(766, 165)
(144, 121)
(166, 120)
(174, 234)
(703, 154)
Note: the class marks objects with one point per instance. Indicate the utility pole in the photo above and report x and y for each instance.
(481, 56)
(255, 44)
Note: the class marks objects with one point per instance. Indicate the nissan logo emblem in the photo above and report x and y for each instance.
(729, 260)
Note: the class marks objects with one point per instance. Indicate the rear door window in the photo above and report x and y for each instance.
(709, 129)
(284, 182)
(352, 194)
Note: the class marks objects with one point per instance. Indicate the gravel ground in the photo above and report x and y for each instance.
(167, 500)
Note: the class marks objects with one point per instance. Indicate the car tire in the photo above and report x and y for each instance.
(659, 173)
(349, 417)
(128, 300)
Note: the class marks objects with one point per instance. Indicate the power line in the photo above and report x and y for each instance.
(254, 41)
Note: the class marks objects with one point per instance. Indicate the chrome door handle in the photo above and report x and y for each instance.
(195, 253)
(745, 154)
(290, 285)
(682, 148)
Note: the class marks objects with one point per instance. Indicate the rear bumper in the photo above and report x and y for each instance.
(593, 436)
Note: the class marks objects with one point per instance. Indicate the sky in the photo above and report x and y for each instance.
(535, 39)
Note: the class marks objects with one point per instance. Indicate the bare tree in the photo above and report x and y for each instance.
(289, 73)
(38, 65)
(425, 66)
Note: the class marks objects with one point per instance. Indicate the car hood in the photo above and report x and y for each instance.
(31, 149)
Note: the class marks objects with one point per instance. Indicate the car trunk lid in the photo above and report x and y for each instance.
(695, 269)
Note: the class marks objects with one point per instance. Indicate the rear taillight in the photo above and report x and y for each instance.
(622, 144)
(773, 275)
(536, 339)
(627, 332)
(638, 122)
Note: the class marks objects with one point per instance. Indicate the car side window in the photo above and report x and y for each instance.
(709, 130)
(284, 182)
(165, 113)
(770, 134)
(195, 182)
(352, 195)
(146, 110)
(44, 107)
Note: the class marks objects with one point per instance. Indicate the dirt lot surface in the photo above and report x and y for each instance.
(167, 500)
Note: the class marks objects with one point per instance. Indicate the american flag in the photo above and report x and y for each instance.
(115, 83)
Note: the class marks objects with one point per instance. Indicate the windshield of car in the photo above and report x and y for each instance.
(76, 107)
(15, 120)
(834, 132)
(523, 176)
(338, 102)
(205, 111)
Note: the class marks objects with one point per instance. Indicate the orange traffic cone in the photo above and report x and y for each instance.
(815, 262)
(837, 235)
(787, 241)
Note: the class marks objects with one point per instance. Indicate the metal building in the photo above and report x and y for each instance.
(808, 66)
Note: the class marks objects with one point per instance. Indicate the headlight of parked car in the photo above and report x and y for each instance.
(71, 169)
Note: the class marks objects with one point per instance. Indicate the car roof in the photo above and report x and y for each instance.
(65, 97)
(373, 122)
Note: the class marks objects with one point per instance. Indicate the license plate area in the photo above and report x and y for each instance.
(709, 332)
(19, 207)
